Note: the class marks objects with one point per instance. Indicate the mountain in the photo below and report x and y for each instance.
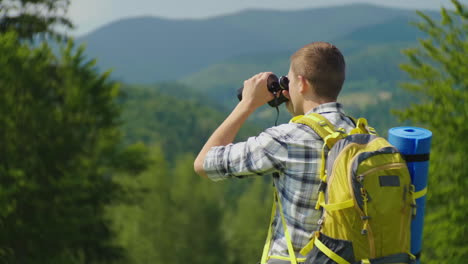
(377, 62)
(211, 58)
(149, 49)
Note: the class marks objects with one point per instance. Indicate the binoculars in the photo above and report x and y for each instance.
(275, 86)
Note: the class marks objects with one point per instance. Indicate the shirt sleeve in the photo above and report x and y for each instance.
(260, 155)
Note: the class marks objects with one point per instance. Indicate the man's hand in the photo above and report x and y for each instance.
(255, 93)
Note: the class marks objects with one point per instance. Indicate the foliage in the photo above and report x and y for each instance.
(60, 146)
(28, 18)
(177, 124)
(439, 71)
(177, 218)
(245, 225)
(378, 108)
(149, 189)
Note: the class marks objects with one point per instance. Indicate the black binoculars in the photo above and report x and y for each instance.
(275, 86)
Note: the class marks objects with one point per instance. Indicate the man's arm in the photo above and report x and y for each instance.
(224, 134)
(255, 94)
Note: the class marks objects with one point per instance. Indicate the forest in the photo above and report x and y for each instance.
(97, 170)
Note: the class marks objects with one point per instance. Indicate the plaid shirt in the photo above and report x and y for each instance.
(292, 152)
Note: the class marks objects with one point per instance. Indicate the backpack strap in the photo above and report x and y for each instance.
(330, 136)
(325, 130)
(362, 127)
(390, 259)
(287, 236)
(354, 120)
(321, 126)
(317, 122)
(328, 252)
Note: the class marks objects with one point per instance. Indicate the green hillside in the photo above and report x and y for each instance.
(369, 68)
(148, 49)
(221, 80)
(176, 124)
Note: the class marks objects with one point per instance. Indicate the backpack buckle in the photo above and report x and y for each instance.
(320, 222)
(341, 130)
(360, 178)
(322, 186)
(322, 123)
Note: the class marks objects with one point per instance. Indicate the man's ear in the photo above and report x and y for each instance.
(304, 85)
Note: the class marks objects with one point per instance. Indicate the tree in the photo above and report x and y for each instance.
(32, 17)
(59, 128)
(246, 225)
(439, 71)
(177, 217)
(139, 224)
(178, 125)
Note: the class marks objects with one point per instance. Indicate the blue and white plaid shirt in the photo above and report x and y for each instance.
(292, 151)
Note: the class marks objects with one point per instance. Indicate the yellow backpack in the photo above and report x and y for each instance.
(366, 197)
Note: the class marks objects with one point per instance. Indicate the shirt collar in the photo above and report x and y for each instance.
(327, 108)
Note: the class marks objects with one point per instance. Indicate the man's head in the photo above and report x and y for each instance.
(316, 74)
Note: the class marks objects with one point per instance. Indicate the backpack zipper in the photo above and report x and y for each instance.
(383, 167)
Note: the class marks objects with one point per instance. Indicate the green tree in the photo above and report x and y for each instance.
(30, 18)
(246, 224)
(139, 224)
(176, 219)
(439, 72)
(178, 124)
(59, 128)
(197, 213)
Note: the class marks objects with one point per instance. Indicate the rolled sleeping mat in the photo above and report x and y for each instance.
(415, 145)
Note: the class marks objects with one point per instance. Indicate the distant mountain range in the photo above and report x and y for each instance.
(180, 76)
(148, 49)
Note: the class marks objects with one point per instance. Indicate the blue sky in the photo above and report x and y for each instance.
(90, 14)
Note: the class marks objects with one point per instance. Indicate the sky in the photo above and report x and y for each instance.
(91, 14)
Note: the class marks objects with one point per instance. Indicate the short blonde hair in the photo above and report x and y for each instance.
(323, 65)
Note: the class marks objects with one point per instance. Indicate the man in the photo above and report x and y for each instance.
(291, 152)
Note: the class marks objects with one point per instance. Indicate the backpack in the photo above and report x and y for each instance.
(366, 197)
